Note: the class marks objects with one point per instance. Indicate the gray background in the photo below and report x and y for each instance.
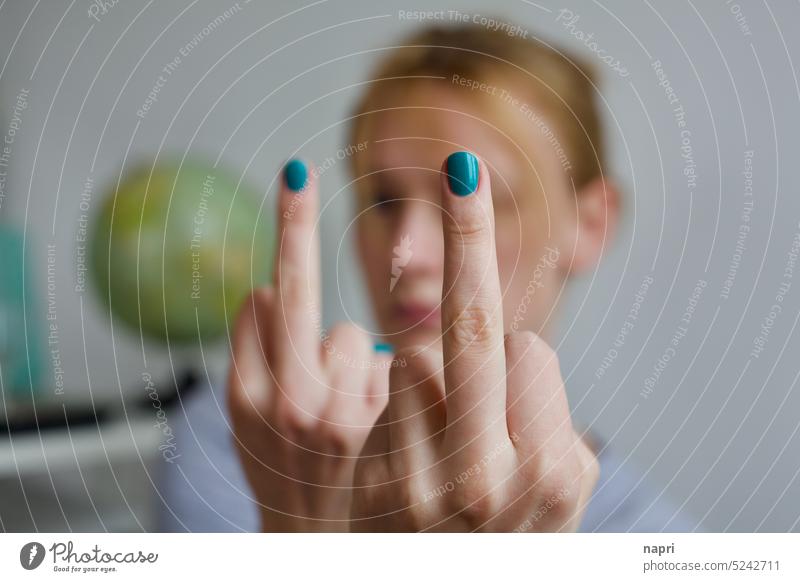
(719, 431)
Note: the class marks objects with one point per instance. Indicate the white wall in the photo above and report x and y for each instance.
(719, 430)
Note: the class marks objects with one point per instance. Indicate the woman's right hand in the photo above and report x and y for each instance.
(302, 402)
(479, 436)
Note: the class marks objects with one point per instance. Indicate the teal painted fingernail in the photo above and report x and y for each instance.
(462, 173)
(296, 175)
(384, 348)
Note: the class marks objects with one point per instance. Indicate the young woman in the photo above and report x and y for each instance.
(481, 190)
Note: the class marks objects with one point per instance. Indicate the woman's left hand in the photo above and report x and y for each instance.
(302, 401)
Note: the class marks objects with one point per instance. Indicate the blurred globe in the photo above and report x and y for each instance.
(176, 248)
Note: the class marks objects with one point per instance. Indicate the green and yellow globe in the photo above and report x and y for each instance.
(176, 248)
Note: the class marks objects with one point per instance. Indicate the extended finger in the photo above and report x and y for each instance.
(297, 319)
(472, 323)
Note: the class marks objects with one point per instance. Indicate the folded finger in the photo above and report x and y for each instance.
(249, 376)
(538, 412)
(416, 411)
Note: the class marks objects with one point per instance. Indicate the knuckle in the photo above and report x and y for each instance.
(411, 501)
(289, 375)
(414, 364)
(348, 339)
(400, 378)
(410, 491)
(540, 351)
(548, 465)
(378, 484)
(248, 305)
(241, 413)
(562, 502)
(591, 470)
(411, 353)
(472, 327)
(530, 347)
(260, 298)
(249, 424)
(349, 334)
(426, 363)
(335, 440)
(252, 307)
(556, 501)
(245, 404)
(293, 422)
(477, 502)
(520, 343)
(240, 407)
(472, 229)
(558, 487)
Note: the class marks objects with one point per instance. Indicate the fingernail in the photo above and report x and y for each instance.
(462, 173)
(383, 348)
(296, 175)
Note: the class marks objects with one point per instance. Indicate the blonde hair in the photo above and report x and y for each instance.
(561, 85)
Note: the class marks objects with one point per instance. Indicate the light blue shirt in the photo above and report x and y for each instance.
(205, 490)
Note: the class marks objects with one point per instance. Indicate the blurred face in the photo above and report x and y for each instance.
(399, 226)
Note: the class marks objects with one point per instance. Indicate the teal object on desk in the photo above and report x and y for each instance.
(18, 381)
